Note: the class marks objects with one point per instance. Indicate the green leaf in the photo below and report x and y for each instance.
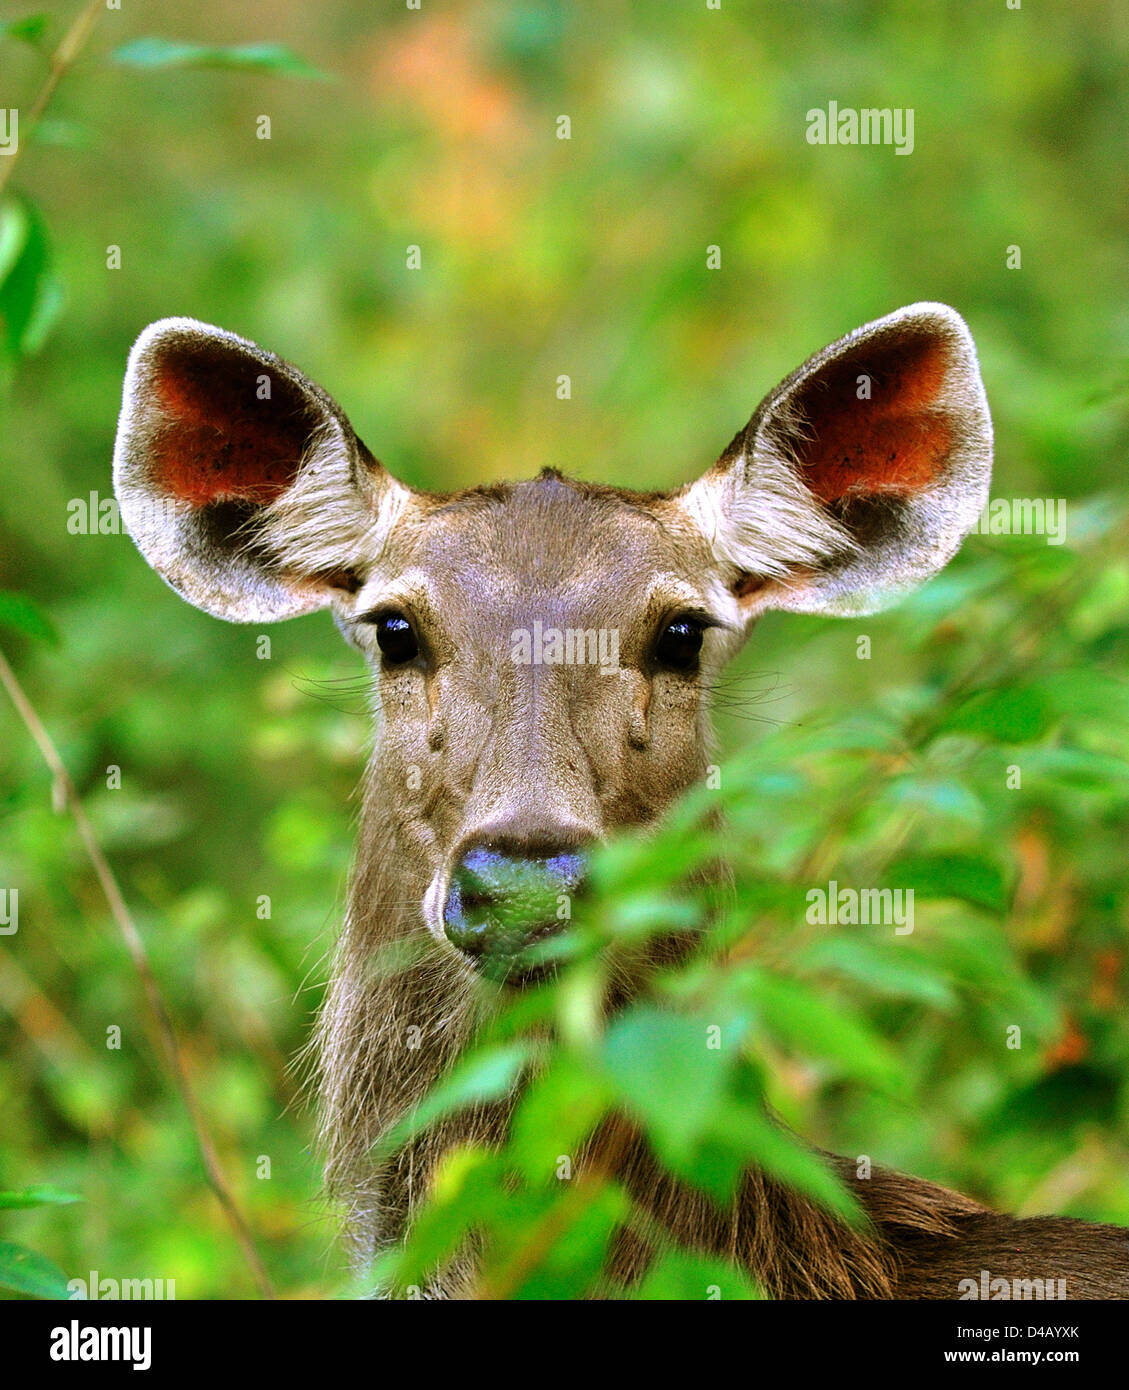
(984, 962)
(558, 1111)
(63, 134)
(13, 236)
(37, 1197)
(971, 878)
(276, 58)
(641, 914)
(646, 863)
(684, 1277)
(44, 315)
(750, 1132)
(1022, 712)
(1076, 768)
(467, 1190)
(582, 1222)
(938, 797)
(23, 1271)
(1103, 606)
(888, 970)
(1011, 714)
(30, 293)
(29, 28)
(1088, 694)
(666, 1074)
(25, 616)
(812, 1026)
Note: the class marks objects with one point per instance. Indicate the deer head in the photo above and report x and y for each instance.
(543, 653)
(543, 650)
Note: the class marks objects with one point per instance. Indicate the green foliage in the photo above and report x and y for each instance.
(19, 613)
(586, 256)
(36, 1197)
(30, 29)
(273, 58)
(31, 296)
(24, 1272)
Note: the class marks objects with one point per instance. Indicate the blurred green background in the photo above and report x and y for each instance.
(437, 128)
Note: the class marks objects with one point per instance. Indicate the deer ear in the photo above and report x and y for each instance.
(858, 477)
(241, 481)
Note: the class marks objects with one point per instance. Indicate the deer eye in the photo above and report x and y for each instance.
(395, 638)
(679, 644)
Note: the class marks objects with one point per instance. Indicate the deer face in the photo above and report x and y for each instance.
(541, 654)
(542, 650)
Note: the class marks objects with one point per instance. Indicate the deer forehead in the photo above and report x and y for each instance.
(549, 551)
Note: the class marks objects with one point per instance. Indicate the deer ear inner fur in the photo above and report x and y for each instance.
(858, 477)
(241, 481)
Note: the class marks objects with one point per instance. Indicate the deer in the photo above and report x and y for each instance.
(245, 487)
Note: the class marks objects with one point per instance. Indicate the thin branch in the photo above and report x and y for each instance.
(66, 795)
(70, 46)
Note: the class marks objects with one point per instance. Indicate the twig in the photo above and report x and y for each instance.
(65, 795)
(70, 46)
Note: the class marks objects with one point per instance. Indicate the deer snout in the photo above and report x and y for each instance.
(502, 902)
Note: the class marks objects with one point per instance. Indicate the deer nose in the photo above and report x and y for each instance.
(501, 903)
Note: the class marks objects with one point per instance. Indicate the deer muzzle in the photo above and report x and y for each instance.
(500, 905)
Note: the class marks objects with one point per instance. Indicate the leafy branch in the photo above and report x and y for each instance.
(62, 60)
(66, 797)
(29, 301)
